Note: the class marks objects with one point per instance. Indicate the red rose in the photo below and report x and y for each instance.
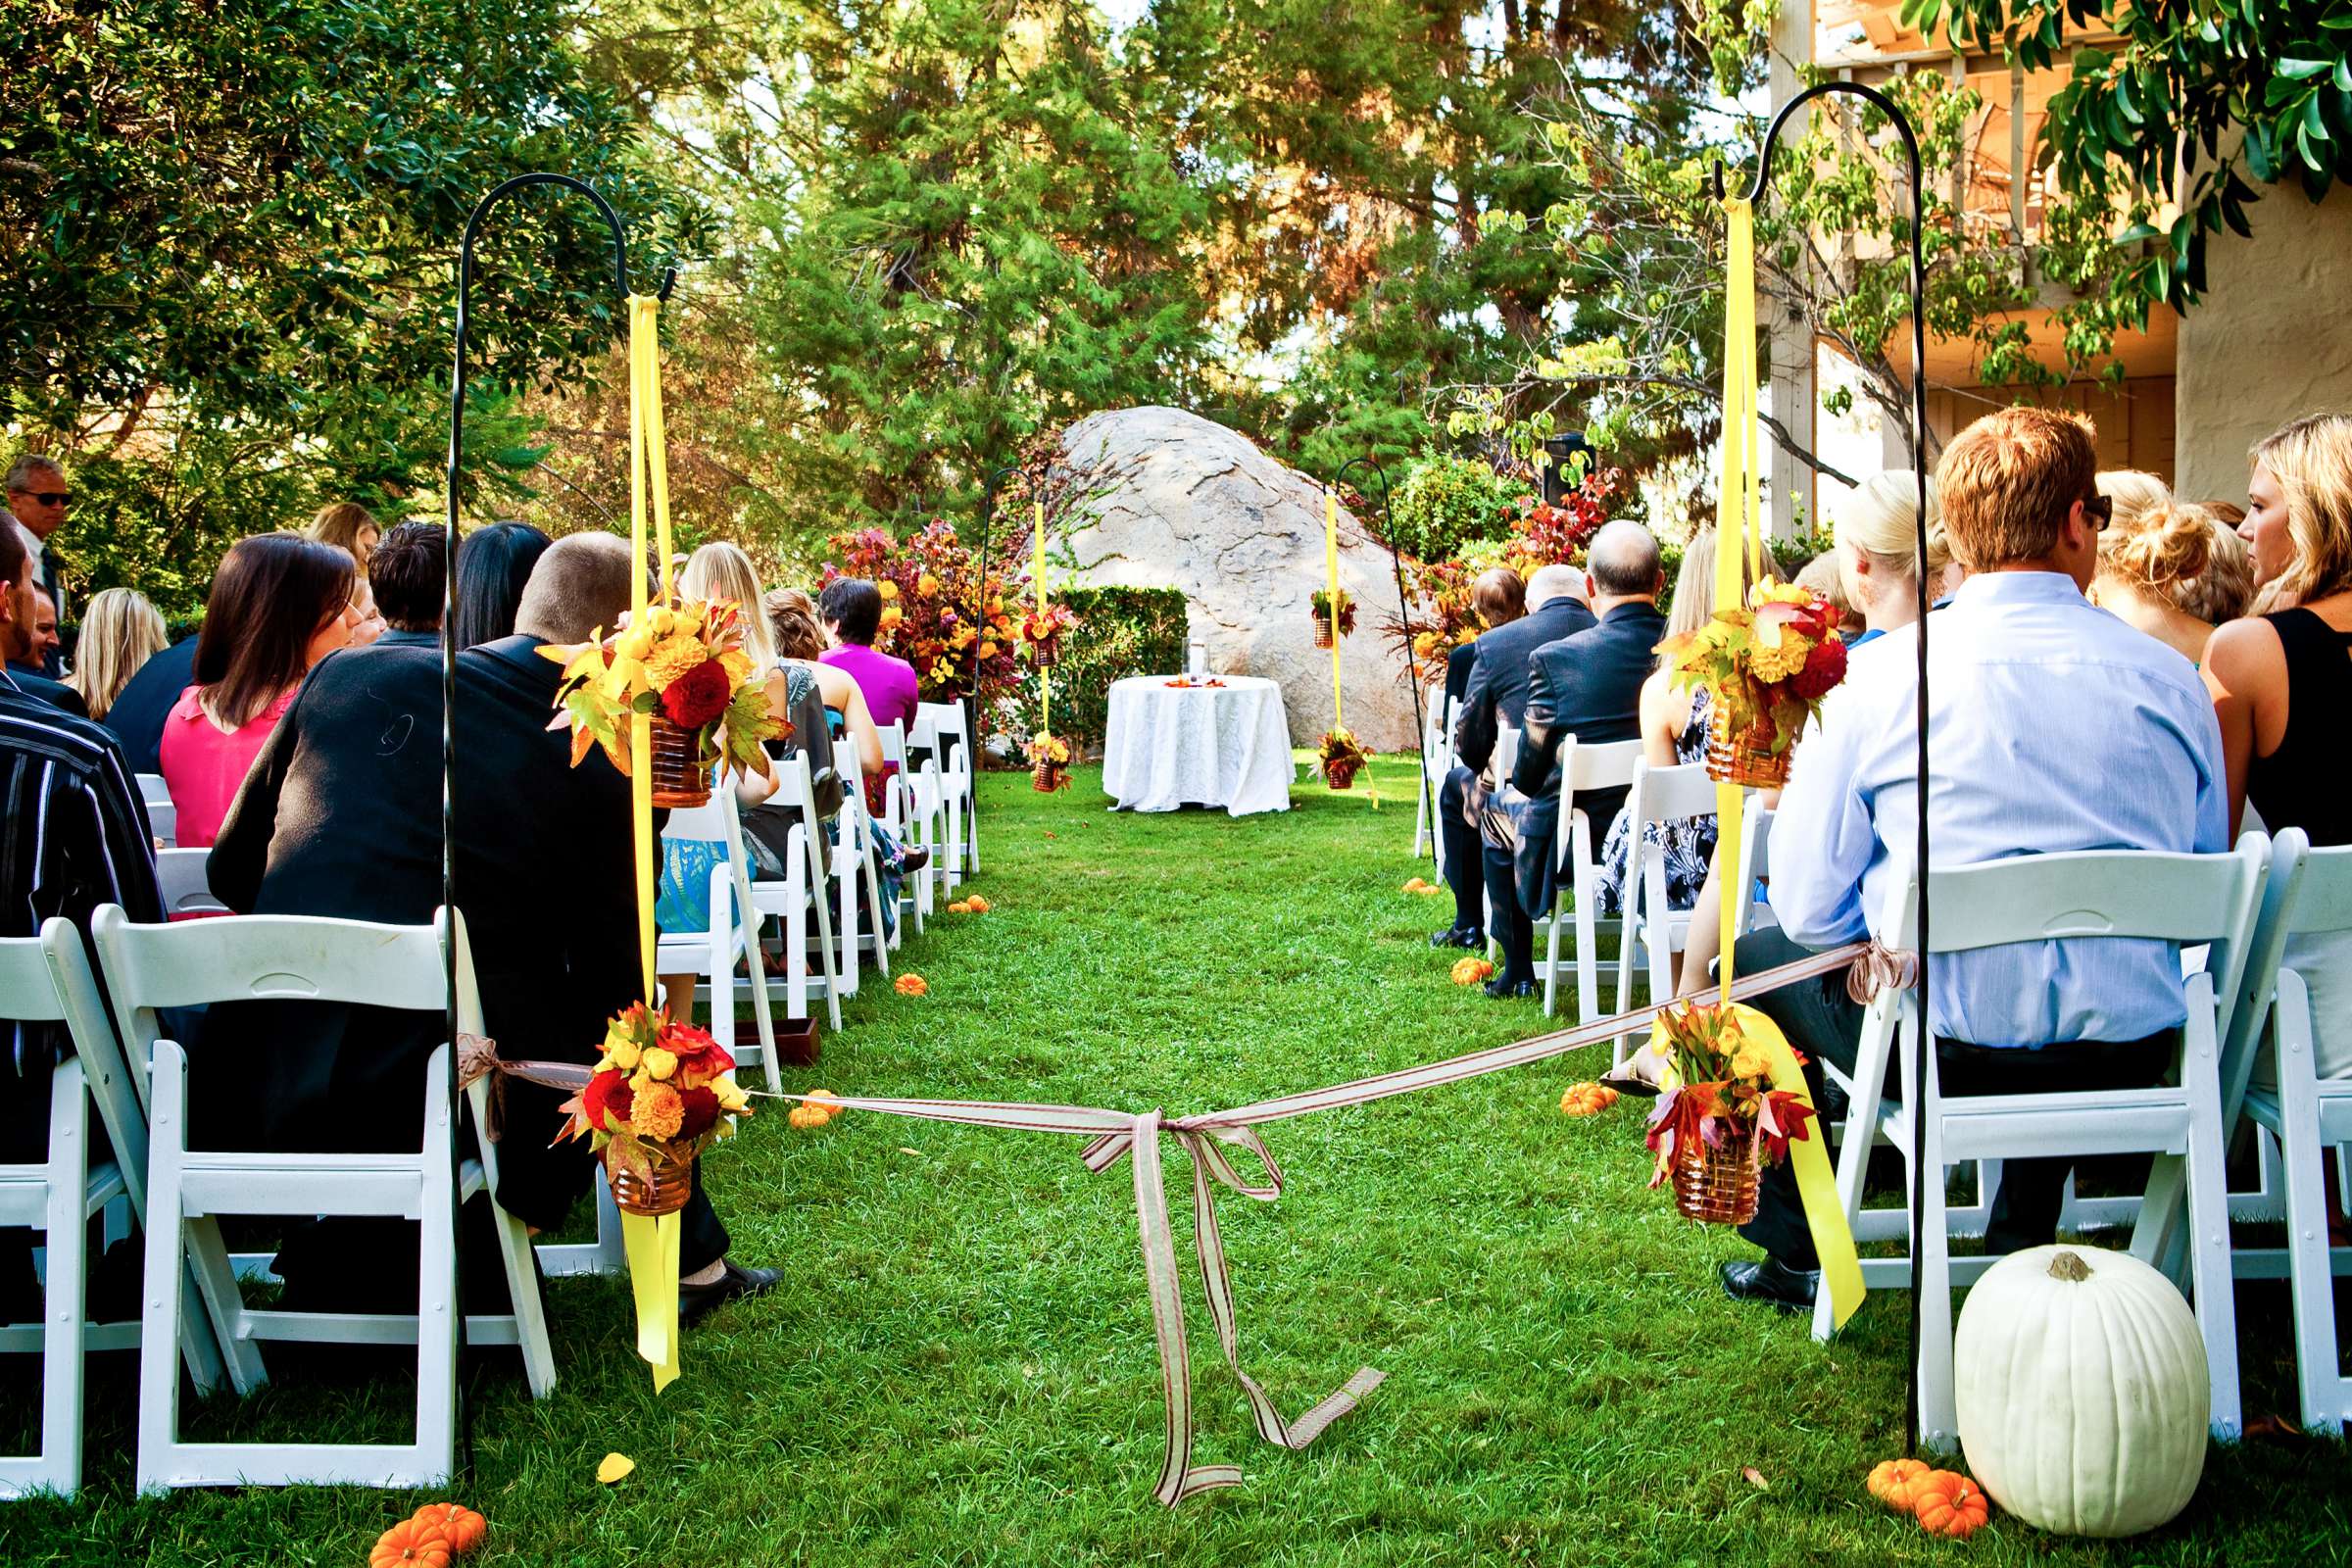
(1825, 667)
(608, 1096)
(701, 1112)
(699, 695)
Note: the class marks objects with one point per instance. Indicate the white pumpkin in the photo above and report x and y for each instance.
(2080, 1382)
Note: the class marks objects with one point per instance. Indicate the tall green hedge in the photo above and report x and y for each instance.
(1121, 632)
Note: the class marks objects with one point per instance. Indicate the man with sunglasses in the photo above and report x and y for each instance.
(37, 499)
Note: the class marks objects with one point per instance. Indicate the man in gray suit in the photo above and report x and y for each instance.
(1589, 686)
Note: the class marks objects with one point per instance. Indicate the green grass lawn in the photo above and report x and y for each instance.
(959, 1367)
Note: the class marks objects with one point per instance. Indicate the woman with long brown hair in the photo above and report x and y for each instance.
(280, 604)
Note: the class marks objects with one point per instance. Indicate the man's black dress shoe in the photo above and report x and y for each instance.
(1459, 936)
(698, 1301)
(1791, 1290)
(1502, 990)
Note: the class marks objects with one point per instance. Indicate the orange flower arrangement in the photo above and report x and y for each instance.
(684, 661)
(660, 1096)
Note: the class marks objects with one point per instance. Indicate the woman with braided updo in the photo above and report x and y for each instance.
(2174, 571)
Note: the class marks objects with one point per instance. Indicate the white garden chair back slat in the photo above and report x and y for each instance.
(2089, 895)
(47, 979)
(854, 865)
(1603, 764)
(162, 816)
(908, 813)
(203, 962)
(1755, 867)
(733, 933)
(1645, 919)
(959, 769)
(2310, 1116)
(179, 876)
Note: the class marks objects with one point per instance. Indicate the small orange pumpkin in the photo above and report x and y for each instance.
(824, 1100)
(1471, 970)
(459, 1524)
(912, 985)
(410, 1544)
(959, 907)
(1948, 1503)
(979, 905)
(1587, 1100)
(1893, 1480)
(803, 1117)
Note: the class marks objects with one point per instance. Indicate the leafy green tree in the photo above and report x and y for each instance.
(229, 228)
(2184, 99)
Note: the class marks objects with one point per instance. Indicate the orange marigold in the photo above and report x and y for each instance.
(659, 1112)
(672, 659)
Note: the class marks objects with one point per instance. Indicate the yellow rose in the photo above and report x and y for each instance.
(660, 1064)
(1748, 1064)
(887, 589)
(623, 1056)
(640, 1080)
(635, 643)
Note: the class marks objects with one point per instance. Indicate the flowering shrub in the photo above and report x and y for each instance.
(931, 613)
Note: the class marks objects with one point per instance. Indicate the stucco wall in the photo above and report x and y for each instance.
(2272, 338)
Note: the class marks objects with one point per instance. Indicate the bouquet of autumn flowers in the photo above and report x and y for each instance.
(933, 615)
(1767, 664)
(1041, 629)
(683, 664)
(660, 1096)
(1049, 764)
(1325, 610)
(1718, 1099)
(1342, 757)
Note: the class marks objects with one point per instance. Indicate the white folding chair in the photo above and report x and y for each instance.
(2310, 1116)
(1437, 759)
(179, 877)
(959, 771)
(1755, 869)
(2086, 896)
(202, 962)
(710, 955)
(1599, 767)
(910, 811)
(1645, 919)
(46, 979)
(807, 887)
(162, 816)
(854, 864)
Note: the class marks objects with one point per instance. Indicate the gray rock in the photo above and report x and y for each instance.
(1165, 499)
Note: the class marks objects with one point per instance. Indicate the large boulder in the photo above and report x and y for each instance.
(1159, 498)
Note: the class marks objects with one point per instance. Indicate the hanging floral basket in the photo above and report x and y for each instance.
(1046, 652)
(1332, 624)
(1342, 759)
(1746, 759)
(1049, 765)
(663, 1190)
(681, 781)
(1042, 632)
(1715, 1183)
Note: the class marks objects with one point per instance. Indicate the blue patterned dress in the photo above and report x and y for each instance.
(1687, 843)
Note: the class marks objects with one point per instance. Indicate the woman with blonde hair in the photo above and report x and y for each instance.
(2174, 572)
(349, 524)
(2131, 494)
(120, 632)
(2281, 680)
(1875, 526)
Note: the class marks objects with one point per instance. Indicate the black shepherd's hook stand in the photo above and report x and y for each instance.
(449, 653)
(988, 512)
(1919, 465)
(1404, 618)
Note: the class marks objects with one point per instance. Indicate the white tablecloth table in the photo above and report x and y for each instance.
(1169, 746)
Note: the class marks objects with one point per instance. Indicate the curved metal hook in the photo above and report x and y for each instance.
(1369, 462)
(1779, 121)
(621, 240)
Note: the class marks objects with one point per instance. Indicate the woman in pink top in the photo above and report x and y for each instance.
(280, 604)
(850, 608)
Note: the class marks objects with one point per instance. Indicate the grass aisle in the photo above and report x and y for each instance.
(959, 1367)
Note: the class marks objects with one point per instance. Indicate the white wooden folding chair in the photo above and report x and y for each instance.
(2310, 1116)
(1645, 919)
(807, 888)
(857, 873)
(1599, 767)
(46, 979)
(959, 771)
(1751, 914)
(162, 816)
(2092, 894)
(179, 877)
(203, 962)
(1437, 759)
(733, 934)
(911, 813)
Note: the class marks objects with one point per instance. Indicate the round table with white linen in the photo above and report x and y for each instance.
(1169, 746)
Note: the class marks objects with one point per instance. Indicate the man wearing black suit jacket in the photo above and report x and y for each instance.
(141, 707)
(1519, 619)
(340, 817)
(1589, 686)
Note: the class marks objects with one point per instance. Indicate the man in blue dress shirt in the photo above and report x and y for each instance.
(2052, 726)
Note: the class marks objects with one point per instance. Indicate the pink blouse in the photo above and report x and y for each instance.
(204, 766)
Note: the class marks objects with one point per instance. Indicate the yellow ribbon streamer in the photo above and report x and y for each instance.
(649, 1244)
(1738, 552)
(1045, 677)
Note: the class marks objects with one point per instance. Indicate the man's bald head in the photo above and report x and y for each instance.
(1553, 582)
(579, 584)
(1623, 561)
